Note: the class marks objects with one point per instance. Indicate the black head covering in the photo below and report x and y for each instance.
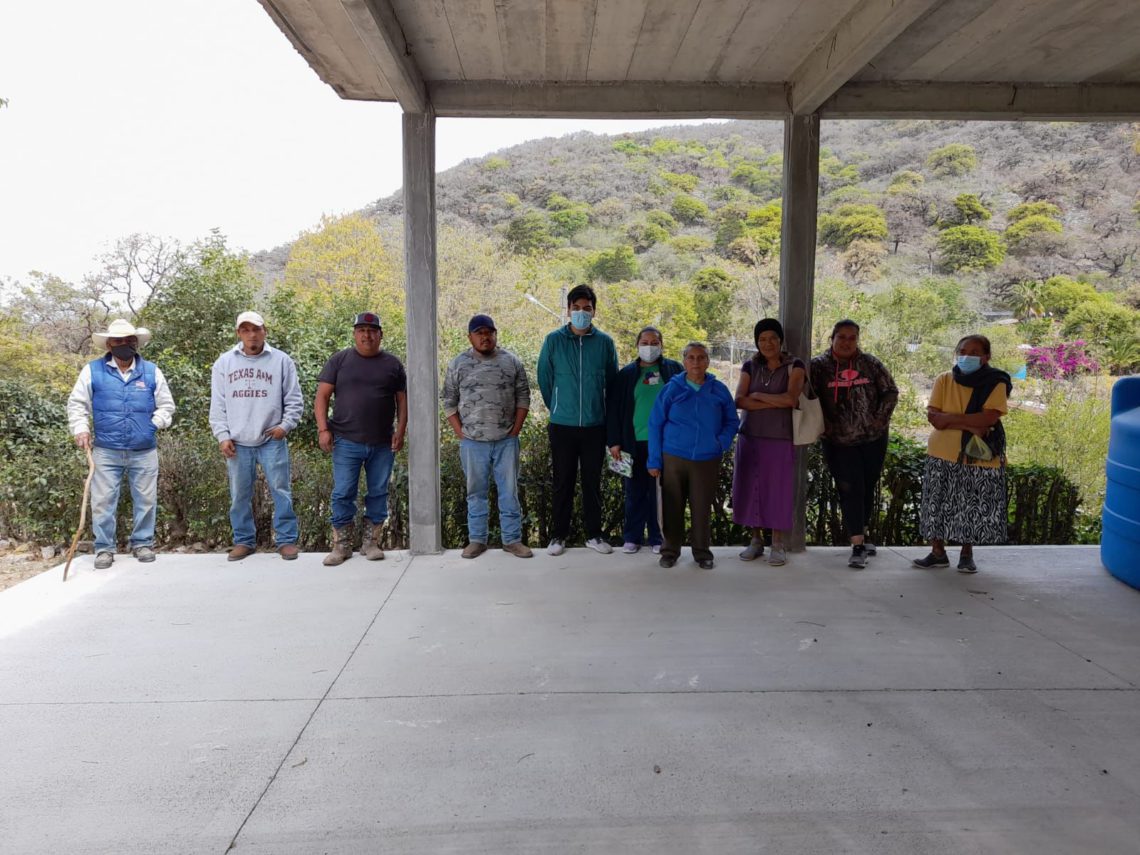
(766, 324)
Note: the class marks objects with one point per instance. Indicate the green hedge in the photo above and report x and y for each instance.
(41, 479)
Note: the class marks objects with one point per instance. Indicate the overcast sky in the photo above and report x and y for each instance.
(175, 118)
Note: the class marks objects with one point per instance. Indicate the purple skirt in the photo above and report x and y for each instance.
(763, 483)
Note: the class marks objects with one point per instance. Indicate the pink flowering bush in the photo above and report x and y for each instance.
(1060, 361)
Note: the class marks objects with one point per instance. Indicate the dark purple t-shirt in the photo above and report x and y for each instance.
(364, 401)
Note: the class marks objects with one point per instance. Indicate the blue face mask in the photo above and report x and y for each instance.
(968, 364)
(581, 318)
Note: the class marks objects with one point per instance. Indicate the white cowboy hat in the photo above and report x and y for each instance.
(121, 329)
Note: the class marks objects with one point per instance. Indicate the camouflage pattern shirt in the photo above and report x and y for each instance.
(485, 391)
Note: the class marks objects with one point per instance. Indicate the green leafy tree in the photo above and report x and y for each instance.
(968, 210)
(529, 234)
(1100, 321)
(614, 265)
(663, 219)
(850, 223)
(862, 258)
(969, 248)
(1061, 294)
(686, 182)
(712, 296)
(567, 223)
(212, 286)
(952, 160)
(689, 209)
(626, 308)
(645, 235)
(1032, 209)
(906, 181)
(1020, 231)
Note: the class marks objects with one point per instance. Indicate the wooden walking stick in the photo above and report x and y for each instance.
(82, 511)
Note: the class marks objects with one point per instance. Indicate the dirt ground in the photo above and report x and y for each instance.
(20, 561)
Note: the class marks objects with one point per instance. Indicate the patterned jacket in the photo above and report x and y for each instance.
(857, 395)
(485, 391)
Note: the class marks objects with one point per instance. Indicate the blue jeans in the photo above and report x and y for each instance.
(141, 469)
(641, 501)
(348, 457)
(483, 461)
(273, 456)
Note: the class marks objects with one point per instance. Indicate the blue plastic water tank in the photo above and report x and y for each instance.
(1120, 534)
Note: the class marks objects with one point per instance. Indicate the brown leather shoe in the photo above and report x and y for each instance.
(288, 551)
(239, 552)
(519, 549)
(474, 549)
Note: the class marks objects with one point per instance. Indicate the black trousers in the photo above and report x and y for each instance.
(692, 481)
(856, 470)
(571, 449)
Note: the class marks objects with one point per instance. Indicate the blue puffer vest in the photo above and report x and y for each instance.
(122, 411)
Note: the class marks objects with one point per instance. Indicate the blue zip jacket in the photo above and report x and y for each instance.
(121, 409)
(692, 425)
(573, 374)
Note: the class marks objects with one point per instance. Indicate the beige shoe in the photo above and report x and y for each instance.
(474, 549)
(519, 549)
(342, 546)
(370, 548)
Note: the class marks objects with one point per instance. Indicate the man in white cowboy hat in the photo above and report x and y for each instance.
(128, 400)
(255, 400)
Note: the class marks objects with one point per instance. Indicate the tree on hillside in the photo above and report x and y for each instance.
(852, 222)
(689, 209)
(1032, 209)
(344, 254)
(967, 210)
(712, 296)
(907, 181)
(908, 216)
(1021, 231)
(1027, 299)
(861, 259)
(529, 234)
(614, 265)
(1100, 320)
(969, 248)
(1061, 294)
(952, 160)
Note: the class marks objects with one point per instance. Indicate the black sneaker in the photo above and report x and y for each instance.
(872, 550)
(966, 565)
(934, 559)
(858, 558)
(666, 561)
(706, 564)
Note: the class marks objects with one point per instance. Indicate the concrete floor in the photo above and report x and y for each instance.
(578, 704)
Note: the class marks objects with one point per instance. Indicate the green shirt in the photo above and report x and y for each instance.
(649, 386)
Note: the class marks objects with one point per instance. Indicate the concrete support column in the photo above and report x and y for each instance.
(797, 264)
(423, 344)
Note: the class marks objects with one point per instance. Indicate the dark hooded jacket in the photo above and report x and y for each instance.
(857, 395)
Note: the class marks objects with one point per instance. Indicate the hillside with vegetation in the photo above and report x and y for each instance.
(928, 230)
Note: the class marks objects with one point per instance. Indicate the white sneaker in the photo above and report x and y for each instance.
(556, 547)
(657, 549)
(630, 548)
(599, 545)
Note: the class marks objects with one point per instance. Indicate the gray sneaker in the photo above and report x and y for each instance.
(599, 545)
(104, 560)
(144, 554)
(753, 551)
(777, 556)
(556, 547)
(870, 549)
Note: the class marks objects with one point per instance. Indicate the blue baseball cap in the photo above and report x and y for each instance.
(479, 322)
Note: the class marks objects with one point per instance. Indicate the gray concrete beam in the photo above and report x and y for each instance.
(378, 28)
(423, 344)
(797, 264)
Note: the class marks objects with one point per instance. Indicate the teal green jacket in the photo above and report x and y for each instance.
(573, 373)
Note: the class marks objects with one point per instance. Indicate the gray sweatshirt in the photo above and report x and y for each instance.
(485, 391)
(250, 395)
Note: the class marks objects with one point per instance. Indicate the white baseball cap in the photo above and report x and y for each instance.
(250, 318)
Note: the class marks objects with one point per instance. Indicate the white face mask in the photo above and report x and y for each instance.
(649, 352)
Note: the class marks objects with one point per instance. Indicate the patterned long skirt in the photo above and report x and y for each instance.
(963, 503)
